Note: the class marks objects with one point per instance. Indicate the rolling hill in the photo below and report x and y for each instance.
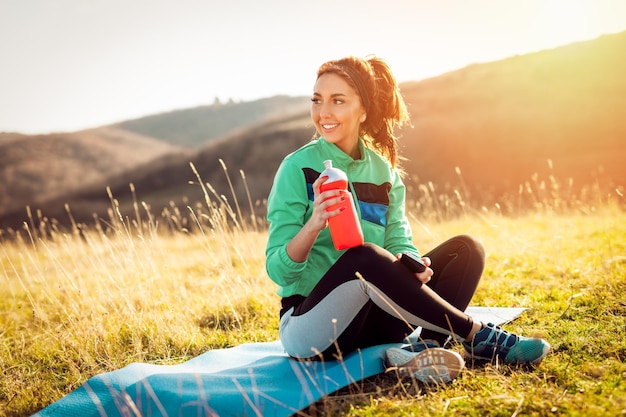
(195, 127)
(503, 121)
(553, 116)
(38, 168)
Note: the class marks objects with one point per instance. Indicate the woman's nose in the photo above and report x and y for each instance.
(325, 110)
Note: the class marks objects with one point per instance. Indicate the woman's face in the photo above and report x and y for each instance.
(337, 112)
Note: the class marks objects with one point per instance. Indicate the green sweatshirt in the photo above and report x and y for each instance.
(379, 194)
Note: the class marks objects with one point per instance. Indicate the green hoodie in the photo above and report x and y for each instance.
(379, 194)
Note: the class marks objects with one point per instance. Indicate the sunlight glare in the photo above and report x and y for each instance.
(558, 22)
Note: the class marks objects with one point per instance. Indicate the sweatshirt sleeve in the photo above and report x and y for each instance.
(398, 234)
(287, 205)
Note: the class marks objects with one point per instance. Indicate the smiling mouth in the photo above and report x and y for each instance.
(327, 127)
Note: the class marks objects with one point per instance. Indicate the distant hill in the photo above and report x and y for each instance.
(195, 127)
(43, 168)
(39, 168)
(166, 179)
(498, 124)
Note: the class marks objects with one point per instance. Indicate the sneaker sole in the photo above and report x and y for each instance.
(434, 365)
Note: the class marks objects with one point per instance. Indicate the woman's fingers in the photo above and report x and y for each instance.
(425, 276)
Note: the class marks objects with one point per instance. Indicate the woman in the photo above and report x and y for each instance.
(334, 302)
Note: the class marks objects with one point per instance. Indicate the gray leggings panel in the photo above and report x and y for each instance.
(309, 334)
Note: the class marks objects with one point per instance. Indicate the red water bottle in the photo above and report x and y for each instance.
(345, 228)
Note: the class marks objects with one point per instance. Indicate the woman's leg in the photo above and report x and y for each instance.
(349, 307)
(458, 265)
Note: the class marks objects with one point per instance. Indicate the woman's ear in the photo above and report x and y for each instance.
(363, 117)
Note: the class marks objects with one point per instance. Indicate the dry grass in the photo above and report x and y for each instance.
(94, 299)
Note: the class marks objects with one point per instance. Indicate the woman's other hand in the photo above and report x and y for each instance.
(424, 276)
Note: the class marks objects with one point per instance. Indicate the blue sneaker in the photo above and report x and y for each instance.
(493, 342)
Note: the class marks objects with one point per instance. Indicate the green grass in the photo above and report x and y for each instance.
(74, 305)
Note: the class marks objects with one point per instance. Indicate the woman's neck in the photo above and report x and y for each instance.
(354, 151)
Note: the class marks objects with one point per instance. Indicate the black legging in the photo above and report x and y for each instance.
(367, 297)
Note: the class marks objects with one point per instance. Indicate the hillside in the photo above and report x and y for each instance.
(195, 127)
(167, 178)
(42, 167)
(501, 122)
(554, 116)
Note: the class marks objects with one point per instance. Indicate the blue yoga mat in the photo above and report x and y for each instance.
(250, 379)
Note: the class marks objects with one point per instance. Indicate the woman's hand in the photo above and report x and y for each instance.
(322, 201)
(300, 245)
(424, 276)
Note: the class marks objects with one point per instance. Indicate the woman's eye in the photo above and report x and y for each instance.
(338, 101)
(316, 100)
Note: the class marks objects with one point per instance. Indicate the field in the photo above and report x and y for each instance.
(95, 299)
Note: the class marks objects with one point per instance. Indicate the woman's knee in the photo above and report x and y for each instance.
(473, 245)
(475, 255)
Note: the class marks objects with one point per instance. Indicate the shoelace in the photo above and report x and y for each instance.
(498, 341)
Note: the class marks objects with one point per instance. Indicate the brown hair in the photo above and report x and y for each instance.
(375, 84)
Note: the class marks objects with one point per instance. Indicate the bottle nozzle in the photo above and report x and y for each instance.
(328, 164)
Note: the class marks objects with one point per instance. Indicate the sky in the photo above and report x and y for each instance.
(67, 65)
